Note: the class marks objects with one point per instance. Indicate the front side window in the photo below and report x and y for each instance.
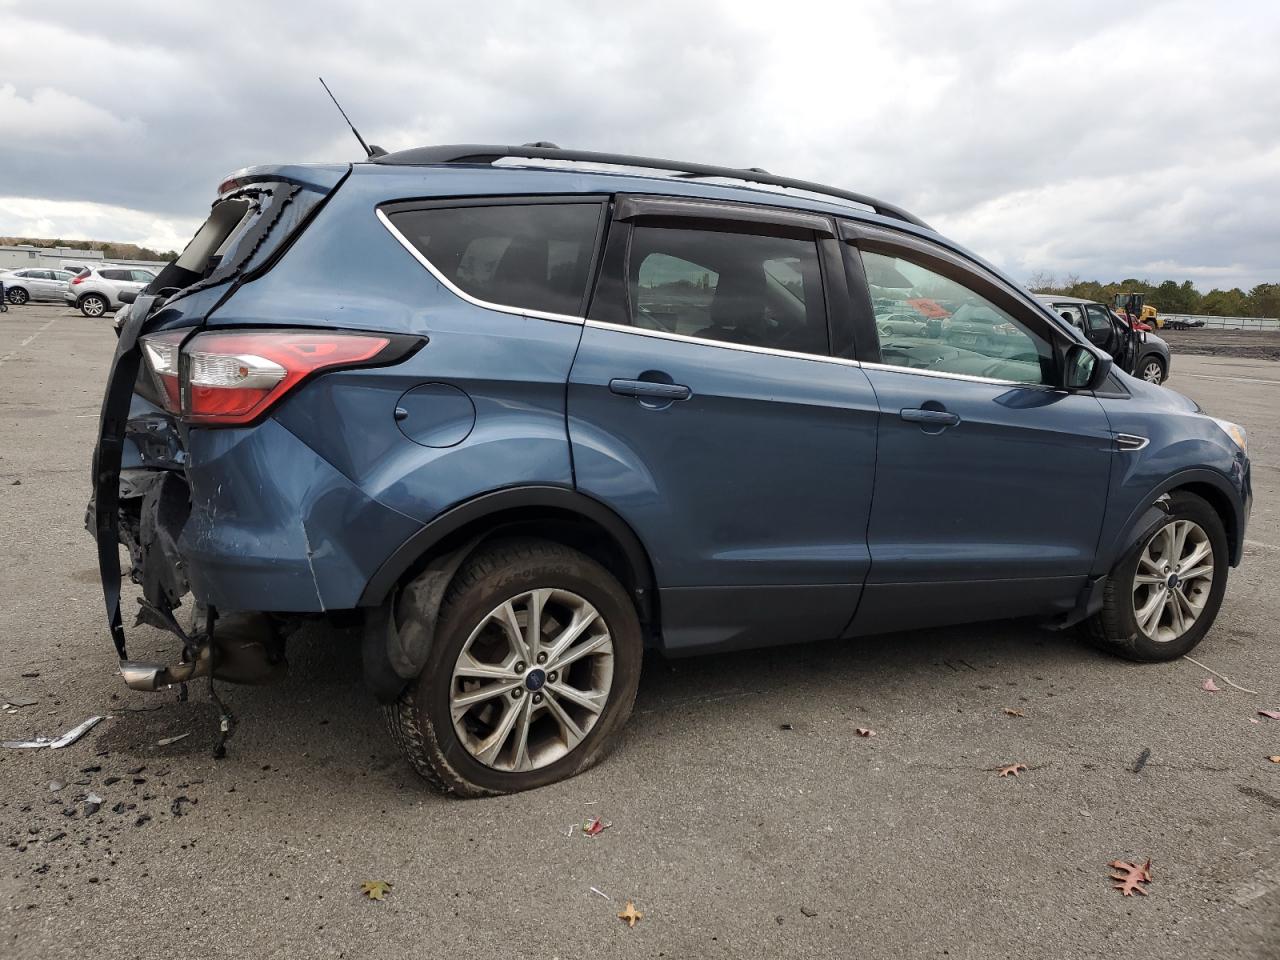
(1099, 319)
(755, 290)
(962, 331)
(533, 256)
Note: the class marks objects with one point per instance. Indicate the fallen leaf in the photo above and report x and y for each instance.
(1130, 877)
(595, 826)
(1012, 770)
(1210, 685)
(864, 732)
(1273, 714)
(1274, 759)
(1013, 713)
(630, 915)
(375, 889)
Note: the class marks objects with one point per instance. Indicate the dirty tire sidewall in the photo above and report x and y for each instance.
(493, 575)
(1115, 627)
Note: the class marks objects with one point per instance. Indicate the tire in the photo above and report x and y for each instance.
(17, 296)
(94, 305)
(1151, 369)
(1115, 628)
(421, 722)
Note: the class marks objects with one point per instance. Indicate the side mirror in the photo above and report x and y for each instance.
(1085, 369)
(128, 296)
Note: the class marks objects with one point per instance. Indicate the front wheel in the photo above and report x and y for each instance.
(1152, 370)
(1162, 599)
(17, 296)
(532, 672)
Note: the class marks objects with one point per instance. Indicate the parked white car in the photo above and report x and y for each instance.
(96, 290)
(34, 283)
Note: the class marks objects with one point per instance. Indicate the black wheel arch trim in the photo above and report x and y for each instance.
(1141, 519)
(411, 552)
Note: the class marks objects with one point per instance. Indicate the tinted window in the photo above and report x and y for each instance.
(1099, 319)
(115, 274)
(973, 336)
(762, 291)
(142, 276)
(535, 256)
(41, 274)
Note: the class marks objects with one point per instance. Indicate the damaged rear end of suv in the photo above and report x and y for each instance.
(191, 473)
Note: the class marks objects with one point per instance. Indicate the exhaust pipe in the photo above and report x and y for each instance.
(150, 677)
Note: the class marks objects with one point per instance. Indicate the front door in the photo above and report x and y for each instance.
(706, 408)
(991, 483)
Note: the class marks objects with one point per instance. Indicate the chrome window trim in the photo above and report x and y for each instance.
(896, 368)
(723, 344)
(462, 294)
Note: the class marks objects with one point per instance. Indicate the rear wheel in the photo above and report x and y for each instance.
(94, 305)
(532, 672)
(1152, 369)
(17, 296)
(1163, 597)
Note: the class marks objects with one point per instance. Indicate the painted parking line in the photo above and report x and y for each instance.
(1206, 376)
(48, 323)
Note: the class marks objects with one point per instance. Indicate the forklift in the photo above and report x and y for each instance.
(1135, 307)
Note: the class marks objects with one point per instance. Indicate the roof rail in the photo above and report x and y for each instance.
(488, 153)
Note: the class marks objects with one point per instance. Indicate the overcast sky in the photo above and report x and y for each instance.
(1098, 138)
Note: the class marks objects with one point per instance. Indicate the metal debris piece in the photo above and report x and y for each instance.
(75, 733)
(68, 738)
(165, 741)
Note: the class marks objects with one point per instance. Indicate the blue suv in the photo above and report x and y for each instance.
(522, 412)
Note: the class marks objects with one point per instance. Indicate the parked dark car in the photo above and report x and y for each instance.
(522, 421)
(1135, 351)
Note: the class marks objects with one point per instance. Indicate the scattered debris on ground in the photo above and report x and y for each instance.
(1010, 712)
(1129, 877)
(600, 893)
(165, 741)
(809, 911)
(594, 826)
(865, 732)
(68, 738)
(1012, 770)
(1209, 685)
(1221, 676)
(631, 915)
(375, 889)
(1273, 714)
(1141, 762)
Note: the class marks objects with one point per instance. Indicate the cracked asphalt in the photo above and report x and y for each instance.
(748, 817)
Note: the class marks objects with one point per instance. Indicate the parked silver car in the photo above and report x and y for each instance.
(34, 283)
(96, 290)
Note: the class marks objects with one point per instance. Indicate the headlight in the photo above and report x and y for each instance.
(1235, 432)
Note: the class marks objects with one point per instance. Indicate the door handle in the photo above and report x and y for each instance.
(933, 418)
(650, 390)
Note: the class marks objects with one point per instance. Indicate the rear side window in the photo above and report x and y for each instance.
(531, 256)
(115, 275)
(759, 291)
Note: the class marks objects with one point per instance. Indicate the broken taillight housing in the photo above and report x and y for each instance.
(232, 378)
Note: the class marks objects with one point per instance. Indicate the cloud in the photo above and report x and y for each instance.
(79, 220)
(1098, 138)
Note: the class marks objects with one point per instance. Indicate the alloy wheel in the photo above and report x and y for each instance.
(93, 307)
(532, 680)
(1173, 580)
(1153, 372)
(17, 296)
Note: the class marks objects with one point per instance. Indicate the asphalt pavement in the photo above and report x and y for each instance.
(749, 818)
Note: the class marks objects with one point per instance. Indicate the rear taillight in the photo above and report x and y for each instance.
(75, 280)
(234, 377)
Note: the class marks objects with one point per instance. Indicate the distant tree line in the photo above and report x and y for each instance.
(1169, 296)
(111, 251)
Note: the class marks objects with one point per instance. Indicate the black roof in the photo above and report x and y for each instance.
(478, 153)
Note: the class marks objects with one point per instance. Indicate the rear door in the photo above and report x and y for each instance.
(991, 482)
(708, 408)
